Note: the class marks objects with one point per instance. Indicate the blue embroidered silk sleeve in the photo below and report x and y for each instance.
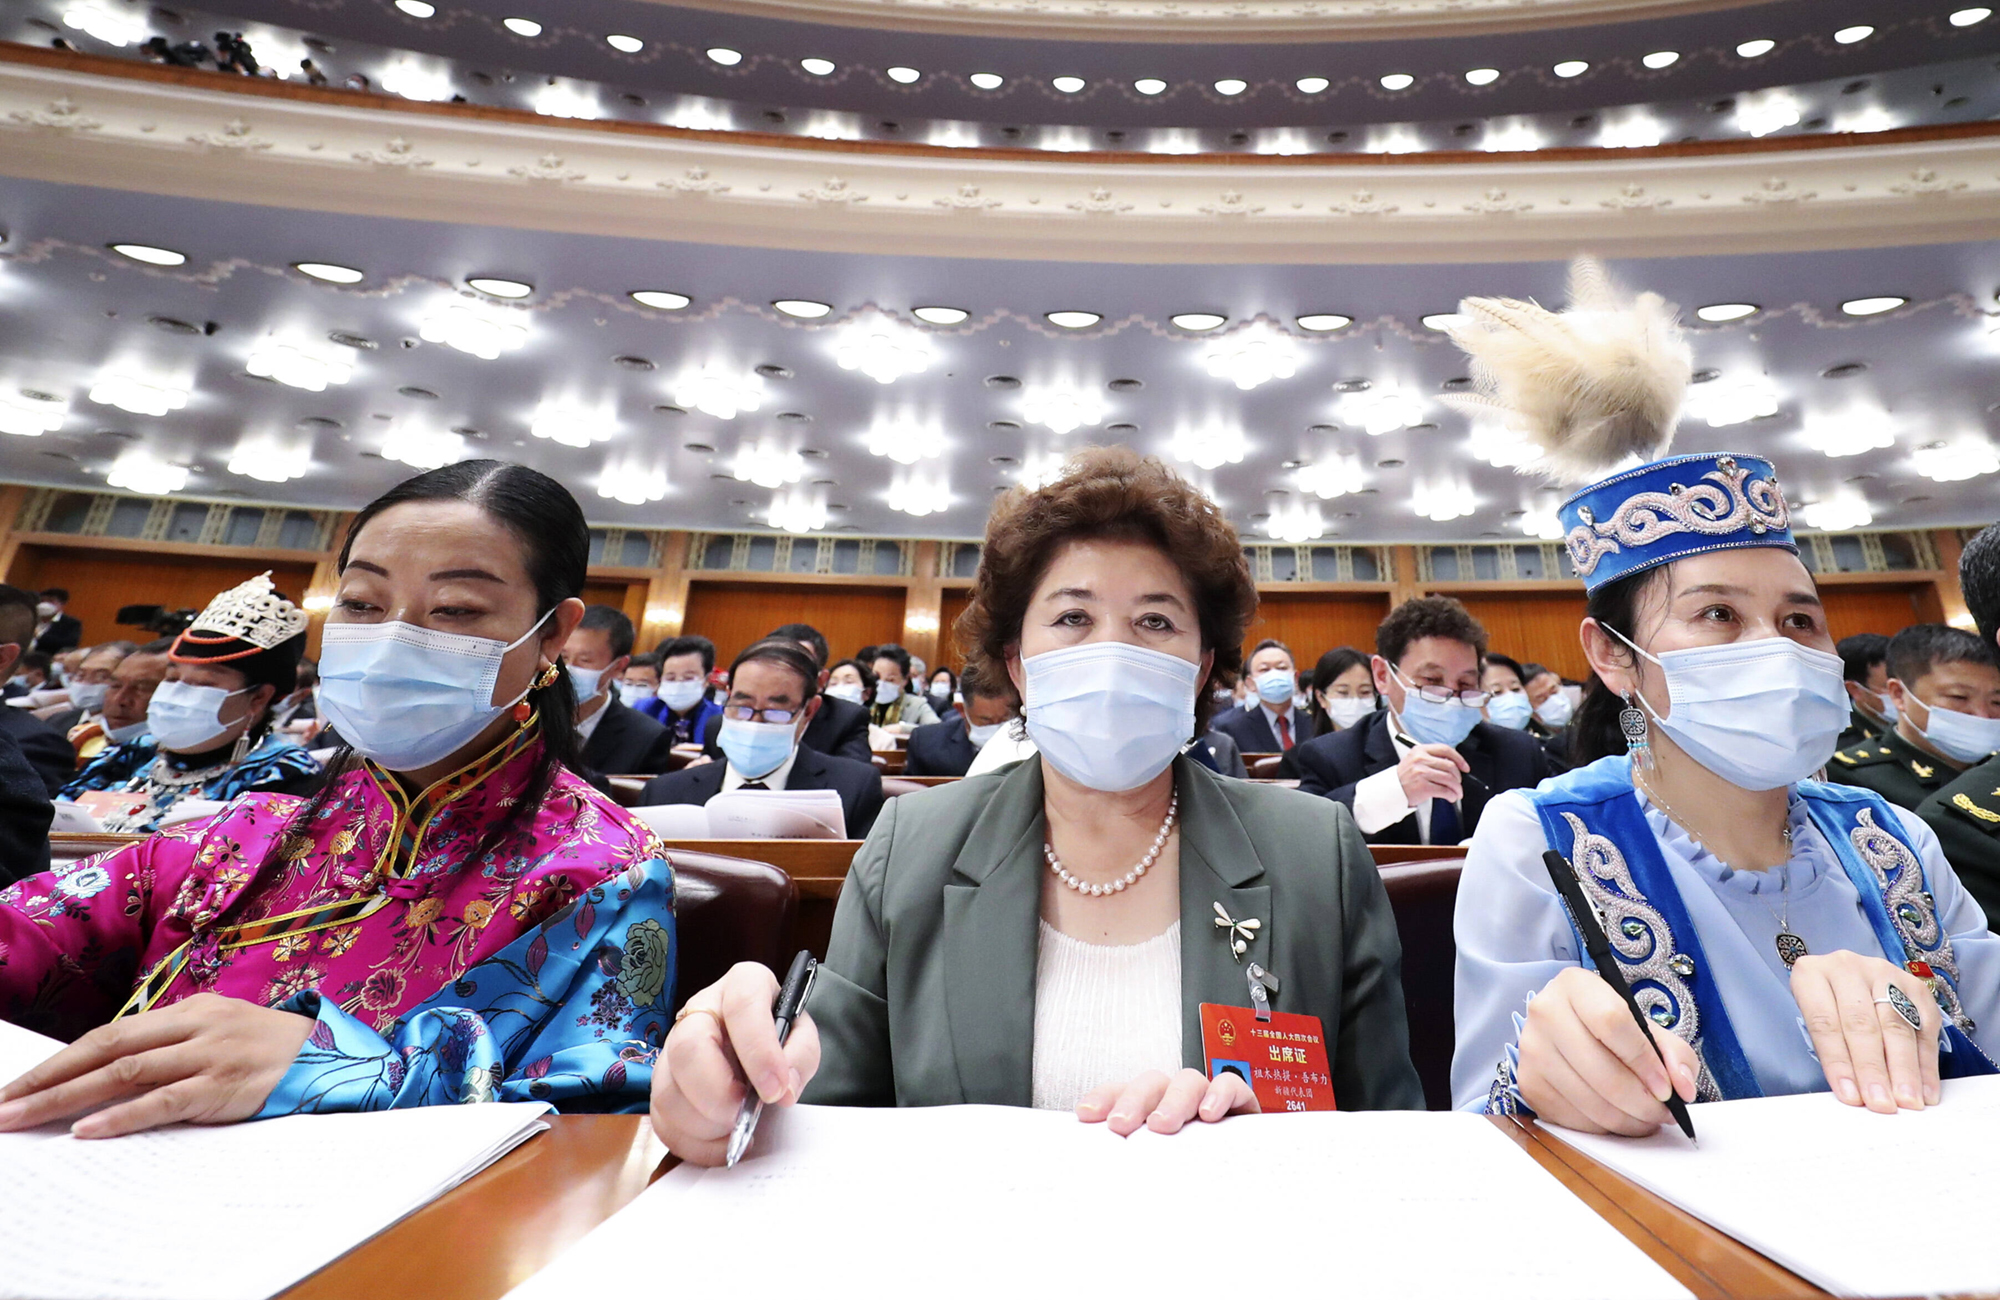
(572, 1013)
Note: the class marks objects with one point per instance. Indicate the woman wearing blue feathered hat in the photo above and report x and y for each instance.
(1783, 935)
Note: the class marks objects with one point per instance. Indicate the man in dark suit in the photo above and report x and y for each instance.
(55, 631)
(616, 738)
(1423, 769)
(840, 728)
(1266, 722)
(41, 746)
(773, 697)
(948, 747)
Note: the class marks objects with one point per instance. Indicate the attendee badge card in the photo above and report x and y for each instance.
(1283, 1059)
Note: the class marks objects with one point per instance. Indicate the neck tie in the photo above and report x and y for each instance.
(759, 785)
(1444, 822)
(1284, 731)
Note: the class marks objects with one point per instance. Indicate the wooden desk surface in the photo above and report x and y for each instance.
(482, 1240)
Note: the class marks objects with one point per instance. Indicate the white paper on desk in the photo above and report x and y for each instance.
(21, 1050)
(1858, 1203)
(1002, 1201)
(75, 819)
(238, 1212)
(777, 815)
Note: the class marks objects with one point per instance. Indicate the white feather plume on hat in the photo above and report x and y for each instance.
(1595, 386)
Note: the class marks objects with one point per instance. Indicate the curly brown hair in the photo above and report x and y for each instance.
(1110, 493)
(1425, 616)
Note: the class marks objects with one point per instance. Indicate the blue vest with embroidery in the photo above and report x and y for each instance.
(1592, 817)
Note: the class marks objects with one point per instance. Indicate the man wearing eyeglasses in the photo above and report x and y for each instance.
(773, 697)
(1422, 770)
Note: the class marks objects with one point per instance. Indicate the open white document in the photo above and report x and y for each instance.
(1008, 1202)
(752, 815)
(1858, 1203)
(238, 1212)
(21, 1050)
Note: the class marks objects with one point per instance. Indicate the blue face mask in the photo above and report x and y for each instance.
(756, 749)
(1108, 715)
(186, 718)
(1433, 723)
(586, 682)
(1275, 686)
(682, 696)
(409, 696)
(1510, 709)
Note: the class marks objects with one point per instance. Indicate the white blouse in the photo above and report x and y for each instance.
(1103, 1013)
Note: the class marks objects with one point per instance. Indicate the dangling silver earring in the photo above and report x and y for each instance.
(242, 748)
(1638, 736)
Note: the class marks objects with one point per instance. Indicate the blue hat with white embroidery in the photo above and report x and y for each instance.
(1598, 388)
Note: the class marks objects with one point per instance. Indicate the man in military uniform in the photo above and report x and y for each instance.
(1966, 812)
(1945, 683)
(1864, 662)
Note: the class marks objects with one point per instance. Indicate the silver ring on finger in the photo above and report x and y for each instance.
(1904, 1007)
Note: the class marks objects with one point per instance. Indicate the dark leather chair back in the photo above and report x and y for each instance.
(1423, 895)
(728, 910)
(895, 785)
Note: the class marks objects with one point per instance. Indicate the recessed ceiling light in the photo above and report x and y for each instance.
(1068, 85)
(1970, 17)
(1871, 306)
(150, 255)
(1322, 322)
(904, 76)
(1571, 68)
(1439, 320)
(803, 308)
(660, 298)
(327, 271)
(1231, 86)
(417, 8)
(818, 67)
(1073, 320)
(1853, 35)
(989, 80)
(1197, 320)
(522, 26)
(625, 44)
(1483, 76)
(727, 57)
(500, 288)
(1723, 311)
(1149, 86)
(1311, 85)
(1756, 49)
(1398, 81)
(940, 315)
(1661, 59)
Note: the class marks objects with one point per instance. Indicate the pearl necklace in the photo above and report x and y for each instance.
(1131, 877)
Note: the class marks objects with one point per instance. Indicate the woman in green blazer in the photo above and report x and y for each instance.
(1045, 935)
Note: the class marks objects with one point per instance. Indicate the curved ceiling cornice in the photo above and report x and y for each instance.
(1201, 20)
(285, 149)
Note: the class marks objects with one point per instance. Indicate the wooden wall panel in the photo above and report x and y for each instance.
(955, 600)
(1534, 626)
(1312, 623)
(100, 582)
(627, 595)
(734, 614)
(1888, 610)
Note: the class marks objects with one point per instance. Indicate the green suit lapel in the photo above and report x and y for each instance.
(992, 914)
(1218, 865)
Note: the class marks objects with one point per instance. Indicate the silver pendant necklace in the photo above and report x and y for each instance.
(1790, 946)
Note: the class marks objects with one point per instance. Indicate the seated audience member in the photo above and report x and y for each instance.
(123, 719)
(298, 706)
(853, 681)
(1044, 935)
(1945, 684)
(1546, 691)
(208, 724)
(840, 728)
(1506, 680)
(87, 688)
(1966, 813)
(45, 749)
(948, 748)
(895, 707)
(1864, 661)
(1268, 723)
(1422, 771)
(1219, 754)
(639, 687)
(943, 694)
(406, 907)
(31, 674)
(685, 707)
(616, 737)
(1341, 690)
(55, 630)
(773, 695)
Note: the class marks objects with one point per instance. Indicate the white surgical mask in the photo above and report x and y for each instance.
(45, 610)
(852, 692)
(1759, 714)
(887, 692)
(1509, 709)
(756, 749)
(1108, 715)
(682, 696)
(186, 718)
(1434, 723)
(1346, 710)
(1555, 711)
(586, 682)
(1961, 737)
(1275, 686)
(980, 735)
(89, 696)
(634, 696)
(125, 735)
(409, 696)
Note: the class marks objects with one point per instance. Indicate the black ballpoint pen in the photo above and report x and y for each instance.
(791, 1001)
(1594, 942)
